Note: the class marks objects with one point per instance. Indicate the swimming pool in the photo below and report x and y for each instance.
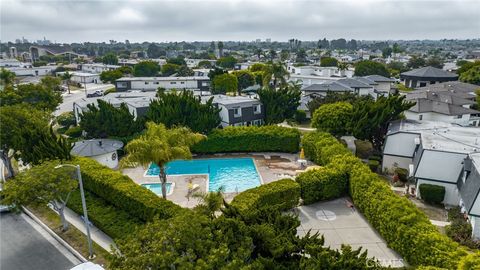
(234, 174)
(157, 188)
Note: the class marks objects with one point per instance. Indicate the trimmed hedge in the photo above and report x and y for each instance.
(403, 226)
(282, 194)
(120, 191)
(325, 183)
(250, 139)
(111, 220)
(432, 193)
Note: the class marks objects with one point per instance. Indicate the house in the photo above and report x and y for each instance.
(153, 83)
(383, 84)
(193, 63)
(359, 85)
(32, 71)
(97, 68)
(136, 101)
(102, 150)
(238, 110)
(426, 76)
(82, 77)
(469, 188)
(54, 50)
(433, 152)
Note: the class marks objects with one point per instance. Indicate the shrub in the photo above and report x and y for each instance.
(320, 184)
(373, 164)
(74, 132)
(363, 149)
(300, 116)
(309, 141)
(460, 230)
(66, 119)
(432, 193)
(250, 139)
(120, 191)
(402, 174)
(111, 220)
(282, 194)
(333, 118)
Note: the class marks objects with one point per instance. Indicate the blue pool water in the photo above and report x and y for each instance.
(234, 174)
(157, 188)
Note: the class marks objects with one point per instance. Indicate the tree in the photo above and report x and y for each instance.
(185, 71)
(258, 67)
(154, 51)
(284, 55)
(272, 54)
(205, 64)
(160, 145)
(40, 96)
(213, 73)
(110, 76)
(225, 83)
(245, 79)
(333, 97)
(333, 118)
(169, 69)
(227, 62)
(434, 61)
(367, 67)
(7, 77)
(41, 143)
(386, 52)
(184, 109)
(281, 103)
(328, 62)
(146, 69)
(416, 62)
(472, 75)
(301, 56)
(110, 59)
(50, 82)
(41, 184)
(466, 66)
(278, 72)
(370, 119)
(104, 120)
(67, 76)
(179, 61)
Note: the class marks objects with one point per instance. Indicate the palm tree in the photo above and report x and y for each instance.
(160, 145)
(66, 77)
(210, 202)
(280, 74)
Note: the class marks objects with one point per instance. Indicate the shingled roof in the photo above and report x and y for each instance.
(429, 72)
(425, 105)
(90, 148)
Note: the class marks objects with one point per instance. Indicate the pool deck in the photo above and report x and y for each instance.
(270, 166)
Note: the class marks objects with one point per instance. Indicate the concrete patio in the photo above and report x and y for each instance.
(341, 224)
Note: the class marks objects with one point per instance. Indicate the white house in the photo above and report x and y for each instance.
(97, 68)
(238, 110)
(82, 77)
(102, 150)
(33, 71)
(153, 83)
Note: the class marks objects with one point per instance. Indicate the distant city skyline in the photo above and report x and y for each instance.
(193, 20)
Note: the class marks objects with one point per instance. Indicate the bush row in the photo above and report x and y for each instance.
(250, 139)
(282, 194)
(325, 183)
(111, 220)
(120, 191)
(320, 146)
(404, 227)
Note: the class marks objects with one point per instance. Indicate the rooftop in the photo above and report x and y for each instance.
(429, 72)
(95, 147)
(230, 101)
(193, 78)
(379, 78)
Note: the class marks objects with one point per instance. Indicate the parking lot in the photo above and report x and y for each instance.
(341, 224)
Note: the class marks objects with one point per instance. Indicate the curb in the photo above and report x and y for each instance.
(54, 235)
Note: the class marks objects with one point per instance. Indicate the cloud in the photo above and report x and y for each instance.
(95, 20)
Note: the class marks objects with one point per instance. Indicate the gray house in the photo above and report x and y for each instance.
(238, 110)
(426, 76)
(469, 188)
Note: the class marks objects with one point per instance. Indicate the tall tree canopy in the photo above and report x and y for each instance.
(146, 69)
(110, 59)
(367, 67)
(184, 109)
(328, 62)
(40, 96)
(225, 83)
(333, 118)
(245, 79)
(227, 62)
(6, 77)
(472, 75)
(281, 103)
(104, 120)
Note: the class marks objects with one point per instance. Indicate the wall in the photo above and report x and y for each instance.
(106, 159)
(389, 162)
(452, 196)
(475, 222)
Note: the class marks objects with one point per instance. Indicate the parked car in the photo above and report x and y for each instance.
(97, 93)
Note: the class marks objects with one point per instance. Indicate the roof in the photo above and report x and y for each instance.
(441, 166)
(452, 87)
(442, 96)
(366, 80)
(379, 78)
(95, 147)
(425, 105)
(400, 144)
(193, 78)
(231, 101)
(469, 189)
(354, 83)
(79, 74)
(55, 49)
(133, 98)
(440, 136)
(429, 72)
(328, 86)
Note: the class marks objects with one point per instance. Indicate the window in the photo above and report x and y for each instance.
(257, 122)
(121, 84)
(156, 83)
(204, 83)
(420, 117)
(458, 117)
(257, 108)
(237, 112)
(422, 84)
(182, 82)
(173, 82)
(146, 82)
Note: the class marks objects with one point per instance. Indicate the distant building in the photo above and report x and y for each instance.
(426, 76)
(97, 67)
(32, 71)
(102, 150)
(238, 110)
(65, 50)
(13, 52)
(153, 83)
(82, 77)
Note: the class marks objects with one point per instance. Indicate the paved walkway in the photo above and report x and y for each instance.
(99, 237)
(439, 223)
(299, 128)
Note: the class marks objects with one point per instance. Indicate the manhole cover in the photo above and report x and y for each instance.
(326, 215)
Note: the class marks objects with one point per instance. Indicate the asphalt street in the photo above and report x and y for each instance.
(25, 245)
(77, 95)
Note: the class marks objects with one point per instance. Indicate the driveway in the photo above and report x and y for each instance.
(24, 245)
(77, 95)
(342, 225)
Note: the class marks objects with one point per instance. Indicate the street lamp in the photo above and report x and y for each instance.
(84, 206)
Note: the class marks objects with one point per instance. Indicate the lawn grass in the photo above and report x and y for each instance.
(72, 236)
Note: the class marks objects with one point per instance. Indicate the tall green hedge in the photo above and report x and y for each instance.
(120, 191)
(111, 220)
(403, 226)
(250, 139)
(282, 194)
(432, 193)
(321, 184)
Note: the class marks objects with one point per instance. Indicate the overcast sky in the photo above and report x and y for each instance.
(156, 20)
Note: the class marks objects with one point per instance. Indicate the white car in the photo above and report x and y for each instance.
(87, 266)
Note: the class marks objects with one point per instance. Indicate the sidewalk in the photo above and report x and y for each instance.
(99, 237)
